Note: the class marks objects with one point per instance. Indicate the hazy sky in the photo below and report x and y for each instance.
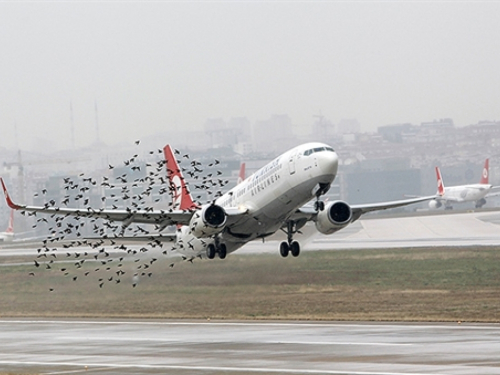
(153, 66)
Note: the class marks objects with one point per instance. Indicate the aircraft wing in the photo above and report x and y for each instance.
(162, 218)
(360, 209)
(307, 213)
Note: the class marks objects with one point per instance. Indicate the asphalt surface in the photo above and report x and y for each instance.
(192, 347)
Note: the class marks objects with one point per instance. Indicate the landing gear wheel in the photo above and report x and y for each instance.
(222, 251)
(295, 248)
(211, 251)
(284, 249)
(319, 205)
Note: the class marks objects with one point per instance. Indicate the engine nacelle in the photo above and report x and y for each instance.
(480, 203)
(208, 221)
(434, 204)
(334, 217)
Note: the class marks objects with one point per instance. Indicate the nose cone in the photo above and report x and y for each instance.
(328, 163)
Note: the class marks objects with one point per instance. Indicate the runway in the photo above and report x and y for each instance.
(194, 347)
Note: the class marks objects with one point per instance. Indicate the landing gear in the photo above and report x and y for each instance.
(284, 249)
(290, 246)
(295, 248)
(319, 205)
(321, 189)
(217, 248)
(222, 251)
(211, 251)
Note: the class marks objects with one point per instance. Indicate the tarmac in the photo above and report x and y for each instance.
(254, 347)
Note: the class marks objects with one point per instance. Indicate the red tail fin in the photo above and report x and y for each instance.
(440, 183)
(181, 196)
(241, 176)
(486, 173)
(10, 228)
(7, 197)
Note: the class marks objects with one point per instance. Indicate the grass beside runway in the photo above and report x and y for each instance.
(421, 284)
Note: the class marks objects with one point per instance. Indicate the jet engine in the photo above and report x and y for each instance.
(208, 221)
(480, 203)
(434, 204)
(334, 217)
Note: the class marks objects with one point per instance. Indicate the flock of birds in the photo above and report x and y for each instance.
(106, 256)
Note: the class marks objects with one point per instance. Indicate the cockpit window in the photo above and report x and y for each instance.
(317, 149)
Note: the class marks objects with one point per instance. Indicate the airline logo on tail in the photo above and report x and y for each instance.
(485, 175)
(181, 197)
(440, 183)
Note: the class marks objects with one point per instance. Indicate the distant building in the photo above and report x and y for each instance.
(438, 126)
(396, 133)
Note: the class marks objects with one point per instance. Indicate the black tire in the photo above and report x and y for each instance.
(319, 205)
(222, 251)
(211, 251)
(284, 249)
(295, 248)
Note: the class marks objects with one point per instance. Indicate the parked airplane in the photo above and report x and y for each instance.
(271, 199)
(8, 235)
(464, 193)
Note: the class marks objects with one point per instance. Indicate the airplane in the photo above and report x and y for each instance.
(8, 235)
(273, 198)
(464, 193)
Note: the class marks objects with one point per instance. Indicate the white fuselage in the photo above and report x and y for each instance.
(270, 196)
(465, 193)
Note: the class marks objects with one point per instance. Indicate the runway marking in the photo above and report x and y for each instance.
(213, 368)
(173, 341)
(337, 343)
(298, 324)
(84, 370)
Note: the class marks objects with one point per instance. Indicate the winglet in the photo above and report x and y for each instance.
(180, 193)
(7, 197)
(440, 183)
(485, 174)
